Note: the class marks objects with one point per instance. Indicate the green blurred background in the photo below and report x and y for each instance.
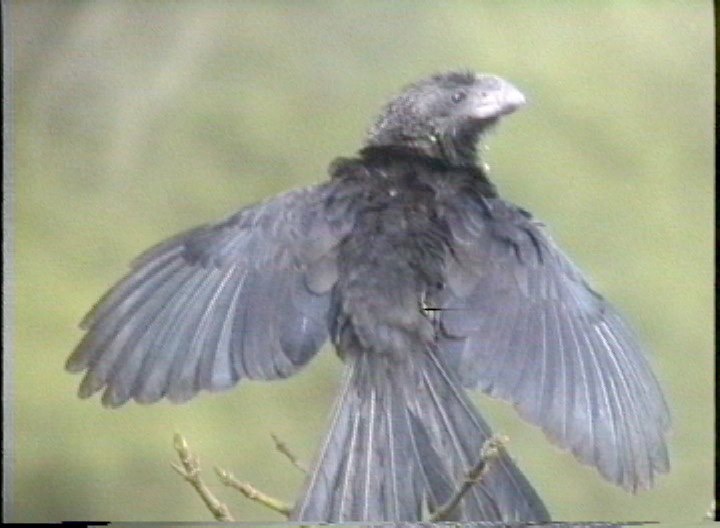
(134, 120)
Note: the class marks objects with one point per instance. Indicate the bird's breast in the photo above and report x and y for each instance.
(392, 256)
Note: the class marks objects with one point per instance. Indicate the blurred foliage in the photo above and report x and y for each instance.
(133, 120)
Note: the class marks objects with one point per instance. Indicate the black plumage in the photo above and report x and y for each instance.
(426, 282)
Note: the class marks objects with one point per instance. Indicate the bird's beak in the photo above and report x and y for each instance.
(496, 97)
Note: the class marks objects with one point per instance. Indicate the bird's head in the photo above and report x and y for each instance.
(445, 115)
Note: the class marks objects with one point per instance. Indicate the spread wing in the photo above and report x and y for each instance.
(246, 298)
(519, 321)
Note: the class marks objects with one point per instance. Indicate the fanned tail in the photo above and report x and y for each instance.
(402, 437)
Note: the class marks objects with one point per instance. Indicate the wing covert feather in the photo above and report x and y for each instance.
(245, 298)
(519, 321)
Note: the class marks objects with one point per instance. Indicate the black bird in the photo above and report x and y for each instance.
(426, 282)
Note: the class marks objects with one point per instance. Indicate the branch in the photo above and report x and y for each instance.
(189, 469)
(285, 450)
(490, 450)
(253, 494)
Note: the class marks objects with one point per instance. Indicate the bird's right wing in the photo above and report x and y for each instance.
(246, 298)
(520, 322)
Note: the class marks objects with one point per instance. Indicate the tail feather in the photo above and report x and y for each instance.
(402, 438)
(361, 472)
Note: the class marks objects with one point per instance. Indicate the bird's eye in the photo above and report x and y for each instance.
(458, 96)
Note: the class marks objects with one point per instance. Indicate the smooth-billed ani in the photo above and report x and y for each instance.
(426, 282)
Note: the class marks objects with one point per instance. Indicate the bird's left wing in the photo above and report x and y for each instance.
(518, 320)
(246, 298)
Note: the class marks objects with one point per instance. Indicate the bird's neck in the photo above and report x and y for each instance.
(390, 155)
(458, 149)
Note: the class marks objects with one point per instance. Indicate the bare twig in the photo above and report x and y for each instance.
(285, 450)
(491, 449)
(189, 469)
(253, 494)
